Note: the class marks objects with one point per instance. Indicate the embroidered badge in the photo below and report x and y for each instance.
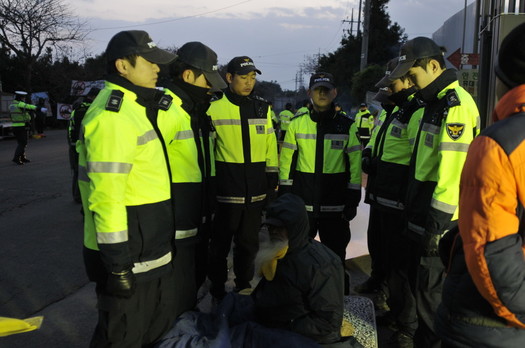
(337, 144)
(455, 130)
(260, 129)
(395, 132)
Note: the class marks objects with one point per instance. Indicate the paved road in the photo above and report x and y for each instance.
(41, 269)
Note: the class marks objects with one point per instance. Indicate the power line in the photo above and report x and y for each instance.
(175, 19)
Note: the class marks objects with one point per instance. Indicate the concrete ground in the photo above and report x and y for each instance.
(41, 228)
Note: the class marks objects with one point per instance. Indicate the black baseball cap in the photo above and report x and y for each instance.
(412, 50)
(242, 66)
(322, 79)
(137, 42)
(387, 80)
(200, 56)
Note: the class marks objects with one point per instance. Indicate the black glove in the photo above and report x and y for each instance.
(366, 159)
(431, 244)
(349, 212)
(121, 284)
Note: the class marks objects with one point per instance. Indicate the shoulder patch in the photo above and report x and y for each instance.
(455, 130)
(165, 102)
(452, 98)
(114, 102)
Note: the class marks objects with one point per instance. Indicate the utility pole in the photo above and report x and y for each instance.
(351, 21)
(364, 42)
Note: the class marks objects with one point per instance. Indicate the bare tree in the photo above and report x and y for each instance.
(28, 27)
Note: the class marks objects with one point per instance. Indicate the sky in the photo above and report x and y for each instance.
(278, 35)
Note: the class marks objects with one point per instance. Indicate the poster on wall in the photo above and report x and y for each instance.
(81, 88)
(64, 111)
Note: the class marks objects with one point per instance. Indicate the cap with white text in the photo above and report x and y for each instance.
(417, 48)
(322, 79)
(200, 56)
(242, 66)
(136, 42)
(387, 80)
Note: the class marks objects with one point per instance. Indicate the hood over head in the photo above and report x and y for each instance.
(289, 211)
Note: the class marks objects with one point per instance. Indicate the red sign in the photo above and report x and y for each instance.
(458, 59)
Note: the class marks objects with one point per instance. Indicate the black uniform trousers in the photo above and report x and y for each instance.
(334, 232)
(426, 276)
(396, 259)
(240, 222)
(378, 245)
(73, 163)
(20, 134)
(138, 321)
(185, 289)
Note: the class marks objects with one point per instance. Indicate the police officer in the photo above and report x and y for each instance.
(388, 155)
(321, 162)
(284, 119)
(125, 187)
(20, 116)
(246, 165)
(449, 123)
(365, 123)
(189, 136)
(73, 130)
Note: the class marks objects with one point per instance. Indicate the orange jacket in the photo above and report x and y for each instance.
(492, 185)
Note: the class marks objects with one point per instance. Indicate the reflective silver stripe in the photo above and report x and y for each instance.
(147, 137)
(444, 207)
(353, 148)
(112, 237)
(229, 122)
(272, 169)
(82, 174)
(224, 199)
(309, 207)
(145, 266)
(290, 146)
(415, 228)
(379, 123)
(181, 234)
(336, 136)
(354, 186)
(109, 167)
(286, 182)
(427, 127)
(389, 203)
(305, 136)
(458, 147)
(257, 121)
(271, 130)
(478, 122)
(398, 124)
(412, 141)
(182, 135)
(332, 208)
(258, 198)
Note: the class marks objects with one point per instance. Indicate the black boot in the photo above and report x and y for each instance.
(18, 160)
(24, 159)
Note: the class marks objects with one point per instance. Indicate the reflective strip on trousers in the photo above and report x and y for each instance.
(415, 228)
(326, 208)
(389, 203)
(235, 200)
(181, 234)
(145, 266)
